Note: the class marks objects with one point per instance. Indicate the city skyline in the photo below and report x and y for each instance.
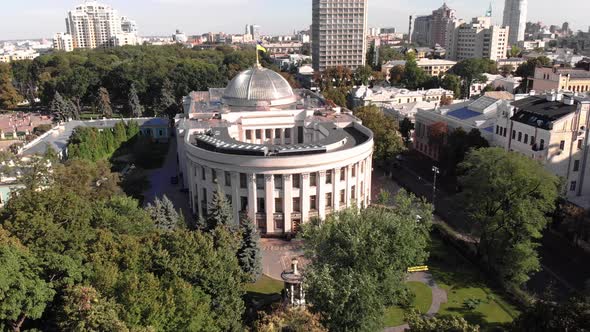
(40, 19)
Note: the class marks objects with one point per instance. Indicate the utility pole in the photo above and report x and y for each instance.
(436, 171)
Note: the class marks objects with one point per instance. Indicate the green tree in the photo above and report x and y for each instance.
(220, 212)
(24, 79)
(249, 254)
(166, 103)
(451, 323)
(405, 127)
(9, 96)
(388, 140)
(414, 76)
(23, 292)
(59, 107)
(514, 52)
(336, 95)
(570, 315)
(458, 144)
(103, 103)
(507, 197)
(452, 83)
(120, 133)
(362, 75)
(397, 74)
(134, 107)
(358, 261)
(84, 309)
(472, 70)
(164, 214)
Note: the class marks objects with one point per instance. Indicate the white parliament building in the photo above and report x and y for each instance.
(281, 156)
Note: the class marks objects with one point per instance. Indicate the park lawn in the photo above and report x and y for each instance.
(462, 281)
(265, 285)
(394, 316)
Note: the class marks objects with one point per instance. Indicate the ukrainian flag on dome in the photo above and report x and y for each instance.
(260, 48)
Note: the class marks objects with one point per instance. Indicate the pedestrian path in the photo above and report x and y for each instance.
(439, 296)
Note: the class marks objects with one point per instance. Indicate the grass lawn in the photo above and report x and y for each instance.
(265, 285)
(464, 283)
(394, 316)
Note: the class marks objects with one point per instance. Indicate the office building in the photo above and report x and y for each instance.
(281, 156)
(441, 18)
(421, 32)
(96, 25)
(339, 33)
(253, 31)
(515, 12)
(478, 39)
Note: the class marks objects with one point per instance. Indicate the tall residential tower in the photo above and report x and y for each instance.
(515, 17)
(339, 31)
(96, 25)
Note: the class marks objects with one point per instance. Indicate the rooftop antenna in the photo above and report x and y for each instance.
(489, 12)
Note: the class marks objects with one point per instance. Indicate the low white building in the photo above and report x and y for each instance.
(281, 156)
(389, 97)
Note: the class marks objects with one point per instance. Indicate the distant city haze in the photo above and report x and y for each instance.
(26, 19)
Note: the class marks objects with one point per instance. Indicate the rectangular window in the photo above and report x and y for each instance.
(573, 186)
(228, 179)
(329, 200)
(278, 181)
(261, 206)
(277, 133)
(243, 203)
(279, 223)
(259, 181)
(505, 131)
(497, 129)
(353, 171)
(243, 181)
(214, 175)
(562, 145)
(343, 174)
(297, 181)
(532, 140)
(313, 203)
(248, 134)
(580, 144)
(278, 205)
(353, 192)
(258, 133)
(520, 136)
(204, 198)
(268, 133)
(526, 138)
(342, 197)
(576, 165)
(313, 179)
(362, 167)
(203, 173)
(329, 177)
(288, 133)
(296, 204)
(514, 134)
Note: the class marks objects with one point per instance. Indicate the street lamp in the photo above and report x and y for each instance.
(436, 171)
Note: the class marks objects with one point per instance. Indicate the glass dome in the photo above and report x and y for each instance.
(257, 87)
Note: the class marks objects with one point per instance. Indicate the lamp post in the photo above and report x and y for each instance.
(436, 171)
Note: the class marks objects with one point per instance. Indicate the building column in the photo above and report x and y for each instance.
(348, 186)
(262, 136)
(283, 136)
(358, 185)
(336, 189)
(321, 195)
(199, 185)
(252, 201)
(235, 195)
(304, 197)
(269, 193)
(287, 201)
(369, 178)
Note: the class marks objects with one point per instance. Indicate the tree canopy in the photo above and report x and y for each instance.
(358, 261)
(388, 140)
(508, 198)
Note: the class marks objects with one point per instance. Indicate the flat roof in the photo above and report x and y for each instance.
(539, 112)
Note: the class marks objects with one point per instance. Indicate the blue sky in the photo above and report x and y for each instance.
(42, 18)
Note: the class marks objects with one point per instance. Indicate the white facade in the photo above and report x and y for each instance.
(478, 39)
(280, 156)
(515, 13)
(63, 42)
(339, 33)
(96, 25)
(388, 97)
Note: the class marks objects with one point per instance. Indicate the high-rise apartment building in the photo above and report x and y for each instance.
(339, 31)
(515, 17)
(422, 27)
(254, 31)
(96, 25)
(441, 18)
(478, 39)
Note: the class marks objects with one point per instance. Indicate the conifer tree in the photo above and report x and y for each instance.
(220, 211)
(134, 106)
(104, 103)
(59, 106)
(166, 103)
(164, 214)
(249, 255)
